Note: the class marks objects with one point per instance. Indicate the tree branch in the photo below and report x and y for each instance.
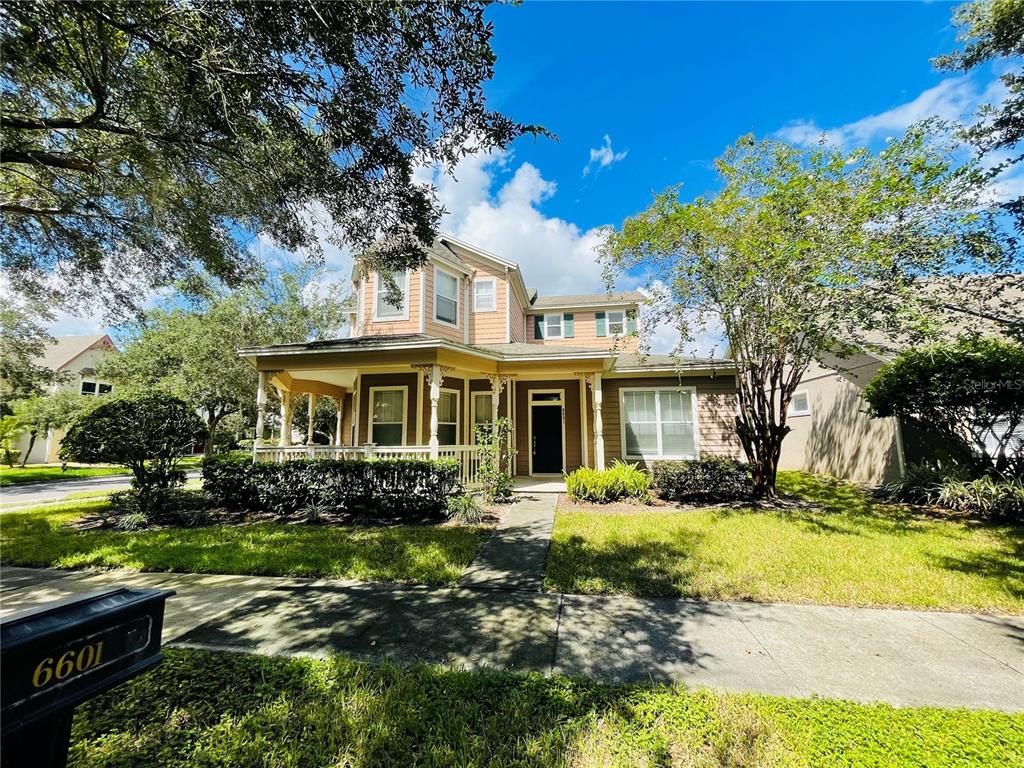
(49, 159)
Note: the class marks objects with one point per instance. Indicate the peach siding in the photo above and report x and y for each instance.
(716, 410)
(391, 327)
(584, 334)
(438, 329)
(488, 327)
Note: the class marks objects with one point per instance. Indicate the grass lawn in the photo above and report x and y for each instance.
(47, 474)
(205, 709)
(419, 554)
(851, 551)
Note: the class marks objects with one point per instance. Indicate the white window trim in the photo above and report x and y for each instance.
(792, 411)
(458, 414)
(458, 303)
(608, 322)
(494, 293)
(405, 301)
(96, 391)
(561, 326)
(472, 412)
(405, 411)
(659, 456)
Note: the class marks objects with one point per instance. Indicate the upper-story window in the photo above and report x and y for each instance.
(446, 297)
(553, 326)
(485, 294)
(617, 323)
(95, 388)
(384, 309)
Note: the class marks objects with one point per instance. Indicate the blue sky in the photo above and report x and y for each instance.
(646, 95)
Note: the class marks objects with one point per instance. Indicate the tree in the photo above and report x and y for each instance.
(140, 138)
(799, 255)
(10, 430)
(991, 30)
(148, 434)
(970, 391)
(192, 353)
(39, 415)
(23, 341)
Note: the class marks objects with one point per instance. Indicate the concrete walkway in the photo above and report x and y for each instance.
(515, 555)
(901, 657)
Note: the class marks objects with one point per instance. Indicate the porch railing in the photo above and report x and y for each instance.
(468, 456)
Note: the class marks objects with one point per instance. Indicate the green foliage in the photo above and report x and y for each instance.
(11, 429)
(208, 708)
(841, 546)
(56, 411)
(497, 460)
(37, 474)
(798, 256)
(711, 478)
(148, 434)
(465, 508)
(619, 481)
(23, 341)
(993, 30)
(965, 390)
(153, 132)
(403, 553)
(956, 487)
(181, 507)
(392, 489)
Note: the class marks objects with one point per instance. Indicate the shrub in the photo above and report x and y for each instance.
(163, 506)
(707, 479)
(391, 489)
(619, 481)
(465, 508)
(984, 496)
(497, 460)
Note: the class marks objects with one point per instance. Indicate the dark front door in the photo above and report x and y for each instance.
(547, 439)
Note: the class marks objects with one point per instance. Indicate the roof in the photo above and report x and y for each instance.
(630, 360)
(519, 348)
(589, 299)
(64, 349)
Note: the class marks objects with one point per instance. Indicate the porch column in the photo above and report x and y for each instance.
(435, 396)
(261, 407)
(286, 419)
(495, 395)
(340, 401)
(311, 411)
(584, 432)
(598, 424)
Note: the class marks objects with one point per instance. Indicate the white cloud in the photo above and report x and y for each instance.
(603, 156)
(955, 98)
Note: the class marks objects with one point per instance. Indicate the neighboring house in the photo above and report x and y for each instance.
(78, 358)
(831, 431)
(467, 342)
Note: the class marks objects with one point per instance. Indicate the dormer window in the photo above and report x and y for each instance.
(553, 326)
(384, 309)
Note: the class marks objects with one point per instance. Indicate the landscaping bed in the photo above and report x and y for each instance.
(424, 554)
(204, 708)
(831, 543)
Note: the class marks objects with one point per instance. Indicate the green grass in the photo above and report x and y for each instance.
(31, 474)
(418, 554)
(853, 551)
(225, 709)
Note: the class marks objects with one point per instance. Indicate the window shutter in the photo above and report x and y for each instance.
(631, 322)
(602, 324)
(567, 326)
(538, 326)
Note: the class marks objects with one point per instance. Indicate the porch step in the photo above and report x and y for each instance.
(517, 552)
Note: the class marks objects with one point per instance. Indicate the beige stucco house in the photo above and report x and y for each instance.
(78, 359)
(467, 342)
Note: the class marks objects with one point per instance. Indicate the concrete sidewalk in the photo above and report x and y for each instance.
(901, 657)
(516, 554)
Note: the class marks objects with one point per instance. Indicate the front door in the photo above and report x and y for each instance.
(547, 439)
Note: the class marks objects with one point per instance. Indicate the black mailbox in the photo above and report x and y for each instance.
(55, 657)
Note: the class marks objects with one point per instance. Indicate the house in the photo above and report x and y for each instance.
(464, 342)
(77, 358)
(831, 431)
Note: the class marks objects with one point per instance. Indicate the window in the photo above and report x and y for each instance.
(800, 405)
(617, 323)
(446, 297)
(88, 387)
(387, 415)
(552, 326)
(485, 294)
(385, 310)
(482, 410)
(659, 423)
(448, 417)
(103, 389)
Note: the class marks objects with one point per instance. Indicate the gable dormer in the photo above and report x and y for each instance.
(590, 320)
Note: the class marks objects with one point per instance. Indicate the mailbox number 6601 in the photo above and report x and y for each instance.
(86, 657)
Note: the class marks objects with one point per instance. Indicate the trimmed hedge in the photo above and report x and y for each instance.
(387, 489)
(706, 479)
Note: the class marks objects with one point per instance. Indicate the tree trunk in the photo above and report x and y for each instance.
(31, 443)
(211, 428)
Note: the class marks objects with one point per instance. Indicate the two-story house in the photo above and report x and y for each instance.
(464, 342)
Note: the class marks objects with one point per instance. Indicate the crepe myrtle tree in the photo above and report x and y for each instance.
(149, 434)
(800, 254)
(970, 391)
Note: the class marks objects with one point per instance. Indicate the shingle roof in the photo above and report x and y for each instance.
(633, 360)
(588, 299)
(518, 348)
(66, 348)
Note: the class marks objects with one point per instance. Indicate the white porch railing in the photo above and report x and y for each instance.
(468, 456)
